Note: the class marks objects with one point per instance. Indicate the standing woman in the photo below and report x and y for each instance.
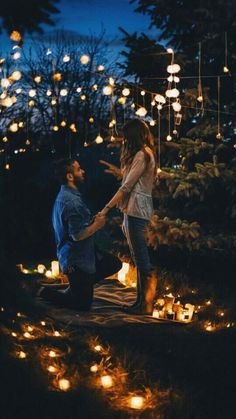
(134, 199)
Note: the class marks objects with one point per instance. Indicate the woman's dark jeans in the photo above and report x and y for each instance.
(134, 229)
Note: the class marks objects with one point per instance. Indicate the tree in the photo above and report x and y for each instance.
(27, 15)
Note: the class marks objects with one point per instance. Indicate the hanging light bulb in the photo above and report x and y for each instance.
(63, 123)
(107, 90)
(21, 124)
(172, 93)
(132, 105)
(125, 92)
(48, 92)
(57, 76)
(63, 92)
(225, 69)
(5, 139)
(141, 111)
(153, 103)
(159, 107)
(218, 136)
(84, 59)
(16, 75)
(111, 81)
(95, 87)
(55, 128)
(18, 91)
(7, 166)
(100, 67)
(170, 50)
(200, 98)
(176, 106)
(168, 138)
(98, 139)
(78, 90)
(73, 127)
(32, 92)
(83, 97)
(27, 142)
(142, 93)
(152, 123)
(160, 99)
(91, 120)
(13, 127)
(175, 132)
(121, 100)
(173, 68)
(64, 384)
(170, 79)
(5, 83)
(176, 79)
(66, 58)
(37, 79)
(53, 102)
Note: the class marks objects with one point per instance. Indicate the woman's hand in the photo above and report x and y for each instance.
(113, 170)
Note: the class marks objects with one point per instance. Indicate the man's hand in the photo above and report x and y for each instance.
(112, 169)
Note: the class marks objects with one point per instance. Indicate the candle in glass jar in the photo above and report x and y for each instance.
(169, 301)
(55, 268)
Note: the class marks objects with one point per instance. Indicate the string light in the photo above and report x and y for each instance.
(16, 75)
(37, 79)
(66, 58)
(136, 402)
(64, 384)
(84, 59)
(100, 67)
(106, 381)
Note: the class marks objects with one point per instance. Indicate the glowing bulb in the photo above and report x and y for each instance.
(5, 83)
(91, 120)
(63, 123)
(13, 127)
(37, 79)
(160, 99)
(51, 368)
(141, 111)
(98, 348)
(27, 335)
(168, 138)
(218, 136)
(152, 123)
(32, 93)
(31, 103)
(41, 269)
(53, 102)
(94, 368)
(106, 381)
(153, 103)
(15, 36)
(63, 92)
(43, 323)
(21, 124)
(225, 69)
(19, 90)
(78, 90)
(122, 100)
(7, 166)
(100, 67)
(64, 384)
(200, 98)
(57, 76)
(48, 92)
(142, 93)
(95, 87)
(84, 59)
(107, 90)
(73, 127)
(66, 58)
(5, 139)
(49, 51)
(175, 132)
(125, 92)
(52, 354)
(14, 334)
(170, 50)
(48, 274)
(111, 81)
(176, 106)
(170, 79)
(173, 68)
(159, 107)
(56, 333)
(22, 355)
(55, 128)
(16, 75)
(136, 402)
(83, 97)
(132, 105)
(30, 329)
(176, 79)
(7, 102)
(98, 139)
(208, 303)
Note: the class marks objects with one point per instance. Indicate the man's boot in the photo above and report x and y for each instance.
(148, 284)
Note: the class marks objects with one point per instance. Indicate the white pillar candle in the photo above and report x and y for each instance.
(55, 268)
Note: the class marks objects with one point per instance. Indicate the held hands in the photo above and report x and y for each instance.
(99, 220)
(113, 170)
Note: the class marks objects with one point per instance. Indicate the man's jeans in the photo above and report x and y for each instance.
(79, 294)
(134, 229)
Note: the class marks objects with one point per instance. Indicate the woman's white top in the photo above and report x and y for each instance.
(137, 185)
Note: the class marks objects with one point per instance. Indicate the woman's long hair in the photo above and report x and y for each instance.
(137, 136)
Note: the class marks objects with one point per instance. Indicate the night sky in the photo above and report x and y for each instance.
(86, 16)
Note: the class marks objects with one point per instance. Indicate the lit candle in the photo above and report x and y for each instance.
(123, 272)
(41, 269)
(136, 402)
(169, 301)
(55, 268)
(156, 314)
(106, 381)
(64, 384)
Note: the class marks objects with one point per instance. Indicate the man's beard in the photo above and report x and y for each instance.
(78, 181)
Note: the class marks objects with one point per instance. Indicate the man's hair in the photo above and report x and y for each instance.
(61, 168)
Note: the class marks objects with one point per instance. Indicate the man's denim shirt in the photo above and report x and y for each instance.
(71, 216)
